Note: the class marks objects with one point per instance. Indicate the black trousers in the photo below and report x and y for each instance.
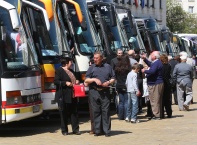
(149, 109)
(167, 95)
(91, 115)
(140, 86)
(100, 104)
(69, 111)
(174, 91)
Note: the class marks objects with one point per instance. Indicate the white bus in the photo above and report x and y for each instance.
(20, 77)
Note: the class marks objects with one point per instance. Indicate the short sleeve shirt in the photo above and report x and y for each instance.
(103, 73)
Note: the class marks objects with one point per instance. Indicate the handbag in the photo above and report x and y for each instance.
(60, 99)
(79, 90)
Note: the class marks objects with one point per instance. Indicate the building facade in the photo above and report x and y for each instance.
(147, 8)
(189, 6)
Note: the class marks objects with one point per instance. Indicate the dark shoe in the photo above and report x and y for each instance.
(97, 134)
(140, 111)
(148, 116)
(77, 133)
(107, 135)
(64, 133)
(91, 132)
(186, 107)
(155, 118)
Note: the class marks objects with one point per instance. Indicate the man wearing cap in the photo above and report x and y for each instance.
(183, 75)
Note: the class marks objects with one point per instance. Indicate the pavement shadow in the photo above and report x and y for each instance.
(118, 132)
(193, 109)
(176, 116)
(112, 133)
(29, 127)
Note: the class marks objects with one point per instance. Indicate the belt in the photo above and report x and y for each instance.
(99, 89)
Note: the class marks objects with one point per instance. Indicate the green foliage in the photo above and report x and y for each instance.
(178, 20)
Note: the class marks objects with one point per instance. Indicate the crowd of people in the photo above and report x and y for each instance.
(139, 81)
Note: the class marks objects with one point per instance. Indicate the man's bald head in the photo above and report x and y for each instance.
(131, 53)
(155, 55)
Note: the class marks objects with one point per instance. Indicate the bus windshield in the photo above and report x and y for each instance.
(86, 39)
(19, 47)
(44, 40)
(151, 24)
(156, 43)
(115, 34)
(129, 33)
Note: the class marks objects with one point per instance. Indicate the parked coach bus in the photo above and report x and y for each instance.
(20, 76)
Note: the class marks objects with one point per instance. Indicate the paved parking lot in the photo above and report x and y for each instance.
(179, 130)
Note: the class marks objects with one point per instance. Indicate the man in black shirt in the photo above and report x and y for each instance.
(99, 76)
(114, 61)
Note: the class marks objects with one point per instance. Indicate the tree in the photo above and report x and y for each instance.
(178, 20)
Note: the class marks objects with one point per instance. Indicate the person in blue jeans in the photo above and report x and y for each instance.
(133, 93)
(122, 69)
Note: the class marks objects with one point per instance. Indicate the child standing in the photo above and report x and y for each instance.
(133, 93)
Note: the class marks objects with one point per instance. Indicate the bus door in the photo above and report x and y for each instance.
(2, 42)
(74, 17)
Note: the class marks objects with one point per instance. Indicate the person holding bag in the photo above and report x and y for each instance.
(67, 103)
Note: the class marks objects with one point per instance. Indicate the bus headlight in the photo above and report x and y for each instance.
(13, 97)
(14, 100)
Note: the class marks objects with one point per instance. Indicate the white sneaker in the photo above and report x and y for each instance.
(135, 121)
(127, 119)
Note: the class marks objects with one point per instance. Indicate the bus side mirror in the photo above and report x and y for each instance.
(130, 19)
(83, 25)
(161, 36)
(168, 38)
(3, 33)
(134, 30)
(171, 37)
(112, 16)
(79, 14)
(14, 18)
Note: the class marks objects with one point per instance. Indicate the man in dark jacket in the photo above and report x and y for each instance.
(172, 63)
(155, 82)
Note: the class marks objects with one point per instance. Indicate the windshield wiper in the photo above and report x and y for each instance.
(32, 68)
(17, 75)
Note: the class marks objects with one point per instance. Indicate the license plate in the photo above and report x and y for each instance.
(36, 108)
